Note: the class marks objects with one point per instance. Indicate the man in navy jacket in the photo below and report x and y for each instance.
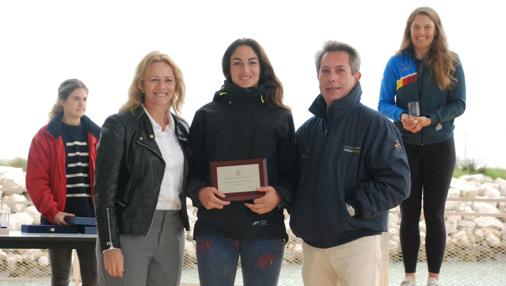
(352, 169)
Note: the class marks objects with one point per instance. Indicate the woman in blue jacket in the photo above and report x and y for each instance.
(423, 91)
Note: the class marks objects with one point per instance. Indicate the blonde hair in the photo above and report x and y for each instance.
(135, 95)
(440, 59)
(64, 91)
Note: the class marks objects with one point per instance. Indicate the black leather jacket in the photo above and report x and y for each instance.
(129, 172)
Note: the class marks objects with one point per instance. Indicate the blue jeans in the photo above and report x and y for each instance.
(217, 260)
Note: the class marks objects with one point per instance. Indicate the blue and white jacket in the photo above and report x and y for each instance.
(405, 80)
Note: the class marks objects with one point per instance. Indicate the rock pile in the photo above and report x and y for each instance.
(475, 222)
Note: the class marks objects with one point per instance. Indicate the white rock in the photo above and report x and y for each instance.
(12, 180)
(489, 222)
(479, 235)
(492, 238)
(485, 207)
(33, 212)
(476, 178)
(16, 202)
(31, 255)
(43, 261)
(11, 261)
(492, 191)
(452, 205)
(469, 191)
(452, 224)
(3, 255)
(464, 207)
(467, 225)
(17, 219)
(463, 238)
(454, 192)
(501, 185)
(501, 207)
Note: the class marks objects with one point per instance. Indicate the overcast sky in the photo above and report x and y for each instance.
(101, 42)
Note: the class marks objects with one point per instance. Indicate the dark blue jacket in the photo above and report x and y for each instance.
(405, 80)
(347, 154)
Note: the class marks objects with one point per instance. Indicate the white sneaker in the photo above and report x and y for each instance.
(432, 282)
(408, 281)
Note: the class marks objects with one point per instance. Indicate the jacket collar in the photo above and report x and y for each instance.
(55, 126)
(338, 108)
(231, 93)
(180, 124)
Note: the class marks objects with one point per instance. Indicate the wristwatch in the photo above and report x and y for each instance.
(350, 209)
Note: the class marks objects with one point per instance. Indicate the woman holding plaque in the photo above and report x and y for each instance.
(246, 120)
(59, 175)
(140, 176)
(423, 91)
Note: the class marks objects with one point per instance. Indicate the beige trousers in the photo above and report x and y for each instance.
(358, 262)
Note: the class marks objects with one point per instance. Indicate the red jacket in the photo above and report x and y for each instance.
(46, 181)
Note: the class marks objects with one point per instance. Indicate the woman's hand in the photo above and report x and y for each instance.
(408, 122)
(265, 203)
(59, 218)
(114, 262)
(211, 198)
(414, 123)
(421, 122)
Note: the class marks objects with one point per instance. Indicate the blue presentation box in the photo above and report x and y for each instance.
(79, 220)
(88, 229)
(48, 228)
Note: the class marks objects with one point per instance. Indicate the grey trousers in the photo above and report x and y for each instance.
(155, 259)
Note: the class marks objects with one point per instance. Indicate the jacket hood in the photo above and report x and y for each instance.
(231, 93)
(338, 107)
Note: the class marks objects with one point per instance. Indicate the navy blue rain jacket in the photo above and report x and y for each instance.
(347, 154)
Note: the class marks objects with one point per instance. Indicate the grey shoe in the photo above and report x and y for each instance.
(433, 282)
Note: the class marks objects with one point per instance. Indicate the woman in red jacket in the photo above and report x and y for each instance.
(59, 175)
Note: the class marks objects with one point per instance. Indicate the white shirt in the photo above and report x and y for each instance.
(172, 182)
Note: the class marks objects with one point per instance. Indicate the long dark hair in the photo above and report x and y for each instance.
(268, 79)
(64, 91)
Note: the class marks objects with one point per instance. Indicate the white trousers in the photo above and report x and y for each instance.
(356, 263)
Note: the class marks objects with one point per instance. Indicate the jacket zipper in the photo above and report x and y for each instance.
(317, 185)
(420, 90)
(109, 227)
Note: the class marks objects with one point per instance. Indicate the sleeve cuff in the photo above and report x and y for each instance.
(110, 248)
